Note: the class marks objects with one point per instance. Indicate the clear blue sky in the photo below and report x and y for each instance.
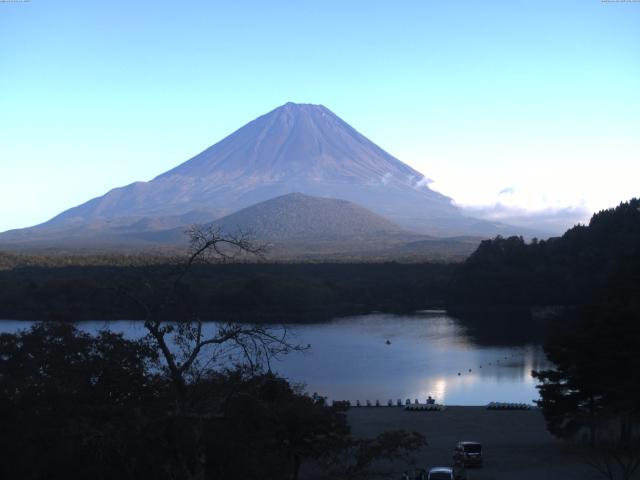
(537, 99)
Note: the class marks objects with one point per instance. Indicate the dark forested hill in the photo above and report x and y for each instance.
(296, 216)
(588, 264)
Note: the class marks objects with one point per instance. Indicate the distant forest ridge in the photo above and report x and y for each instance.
(252, 292)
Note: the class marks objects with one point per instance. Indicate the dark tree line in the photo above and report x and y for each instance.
(257, 292)
(588, 264)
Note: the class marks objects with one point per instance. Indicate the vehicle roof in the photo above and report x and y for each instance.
(469, 443)
(441, 470)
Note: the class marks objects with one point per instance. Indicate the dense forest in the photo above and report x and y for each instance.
(262, 292)
(589, 264)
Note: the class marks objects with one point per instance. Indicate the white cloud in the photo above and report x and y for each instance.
(562, 171)
(553, 220)
(423, 182)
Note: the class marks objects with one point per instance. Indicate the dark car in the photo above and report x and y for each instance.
(468, 454)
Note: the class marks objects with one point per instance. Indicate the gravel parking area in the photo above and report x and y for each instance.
(515, 442)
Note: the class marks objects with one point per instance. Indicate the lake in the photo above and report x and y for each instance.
(429, 353)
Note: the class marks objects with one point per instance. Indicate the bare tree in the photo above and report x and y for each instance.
(254, 344)
(190, 347)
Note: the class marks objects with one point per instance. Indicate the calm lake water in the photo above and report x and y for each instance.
(429, 353)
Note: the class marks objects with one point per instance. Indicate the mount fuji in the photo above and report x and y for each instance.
(295, 148)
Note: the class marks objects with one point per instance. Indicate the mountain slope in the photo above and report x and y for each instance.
(294, 148)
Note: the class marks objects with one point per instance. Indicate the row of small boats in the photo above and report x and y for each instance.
(430, 405)
(508, 406)
(407, 403)
(422, 407)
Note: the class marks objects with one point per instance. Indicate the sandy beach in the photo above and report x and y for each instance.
(516, 443)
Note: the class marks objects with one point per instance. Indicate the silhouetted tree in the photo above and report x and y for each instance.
(596, 372)
(189, 350)
(74, 405)
(70, 402)
(593, 391)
